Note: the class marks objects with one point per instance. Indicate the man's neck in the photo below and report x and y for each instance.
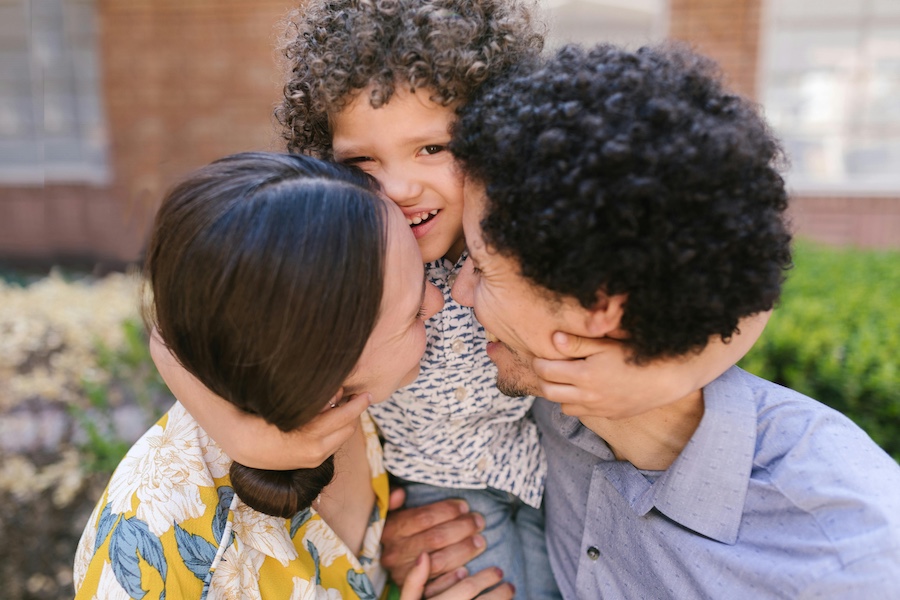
(652, 440)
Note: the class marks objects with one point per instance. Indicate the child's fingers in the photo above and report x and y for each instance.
(414, 584)
(574, 346)
(396, 499)
(445, 582)
(475, 585)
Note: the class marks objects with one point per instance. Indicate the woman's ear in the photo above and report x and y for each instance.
(606, 316)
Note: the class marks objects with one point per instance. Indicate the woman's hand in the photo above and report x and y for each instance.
(599, 381)
(249, 440)
(456, 585)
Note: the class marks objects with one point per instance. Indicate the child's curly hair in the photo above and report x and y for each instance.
(449, 47)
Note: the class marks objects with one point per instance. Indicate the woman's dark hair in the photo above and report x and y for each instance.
(449, 47)
(267, 272)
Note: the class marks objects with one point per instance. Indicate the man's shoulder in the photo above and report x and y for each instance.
(808, 450)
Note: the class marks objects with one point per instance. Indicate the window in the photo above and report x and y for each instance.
(630, 23)
(51, 120)
(831, 89)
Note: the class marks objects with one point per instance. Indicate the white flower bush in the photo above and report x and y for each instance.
(50, 332)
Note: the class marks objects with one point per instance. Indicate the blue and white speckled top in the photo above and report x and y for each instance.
(775, 496)
(452, 427)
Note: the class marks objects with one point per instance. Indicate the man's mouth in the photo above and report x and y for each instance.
(419, 218)
(491, 337)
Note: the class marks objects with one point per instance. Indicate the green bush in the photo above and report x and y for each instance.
(835, 336)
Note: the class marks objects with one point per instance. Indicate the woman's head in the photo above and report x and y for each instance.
(275, 279)
(267, 274)
(337, 48)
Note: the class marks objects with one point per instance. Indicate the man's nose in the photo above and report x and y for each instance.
(464, 286)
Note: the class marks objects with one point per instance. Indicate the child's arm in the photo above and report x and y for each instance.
(250, 440)
(595, 384)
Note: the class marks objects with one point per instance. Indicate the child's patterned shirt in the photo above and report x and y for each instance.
(452, 427)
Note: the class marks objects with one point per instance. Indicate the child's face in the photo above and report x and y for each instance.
(403, 145)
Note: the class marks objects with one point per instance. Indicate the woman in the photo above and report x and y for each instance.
(284, 285)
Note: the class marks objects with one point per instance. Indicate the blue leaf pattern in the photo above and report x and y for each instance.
(360, 584)
(315, 556)
(107, 521)
(226, 494)
(299, 520)
(149, 546)
(123, 556)
(196, 552)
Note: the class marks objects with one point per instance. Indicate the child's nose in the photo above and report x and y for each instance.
(400, 187)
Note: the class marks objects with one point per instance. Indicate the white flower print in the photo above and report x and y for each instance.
(237, 576)
(326, 541)
(108, 587)
(303, 589)
(265, 533)
(165, 468)
(307, 590)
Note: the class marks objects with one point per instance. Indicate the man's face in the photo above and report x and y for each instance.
(518, 316)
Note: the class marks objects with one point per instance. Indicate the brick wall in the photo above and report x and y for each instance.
(726, 30)
(184, 82)
(730, 32)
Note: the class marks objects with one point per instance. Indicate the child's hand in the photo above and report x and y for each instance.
(459, 586)
(249, 440)
(600, 382)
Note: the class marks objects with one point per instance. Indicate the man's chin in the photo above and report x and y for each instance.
(513, 389)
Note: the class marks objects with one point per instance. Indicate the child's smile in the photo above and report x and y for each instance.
(403, 145)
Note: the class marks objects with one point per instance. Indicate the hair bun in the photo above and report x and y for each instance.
(280, 493)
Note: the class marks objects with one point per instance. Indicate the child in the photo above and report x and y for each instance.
(375, 85)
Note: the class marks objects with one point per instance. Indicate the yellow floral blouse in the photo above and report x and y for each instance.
(170, 526)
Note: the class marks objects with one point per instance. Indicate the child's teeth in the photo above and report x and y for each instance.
(422, 216)
(491, 337)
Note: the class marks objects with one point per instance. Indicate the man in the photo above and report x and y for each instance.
(626, 195)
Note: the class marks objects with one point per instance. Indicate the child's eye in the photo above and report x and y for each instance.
(422, 312)
(433, 149)
(356, 160)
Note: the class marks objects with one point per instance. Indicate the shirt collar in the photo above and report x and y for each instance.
(705, 488)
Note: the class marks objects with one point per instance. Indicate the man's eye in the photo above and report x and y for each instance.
(433, 149)
(476, 270)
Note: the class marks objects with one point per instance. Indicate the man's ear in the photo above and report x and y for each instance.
(606, 316)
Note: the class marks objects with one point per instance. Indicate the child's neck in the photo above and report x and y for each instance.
(455, 250)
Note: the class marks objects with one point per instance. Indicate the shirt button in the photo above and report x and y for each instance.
(451, 279)
(460, 394)
(593, 553)
(458, 346)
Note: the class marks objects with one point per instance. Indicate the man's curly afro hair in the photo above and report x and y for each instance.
(611, 172)
(448, 47)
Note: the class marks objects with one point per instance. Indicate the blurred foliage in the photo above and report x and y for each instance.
(131, 374)
(835, 336)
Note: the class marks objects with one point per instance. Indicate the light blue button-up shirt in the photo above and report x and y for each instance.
(774, 496)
